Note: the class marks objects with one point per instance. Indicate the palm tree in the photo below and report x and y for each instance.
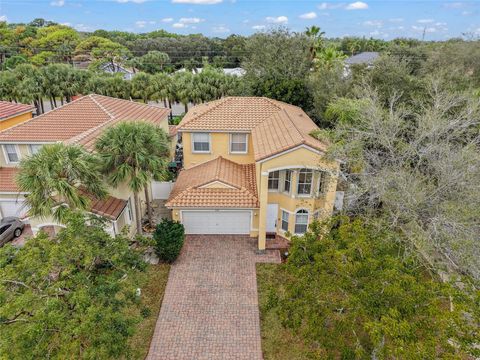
(59, 178)
(160, 84)
(142, 86)
(134, 152)
(316, 36)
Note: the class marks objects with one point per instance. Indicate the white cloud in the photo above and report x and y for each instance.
(140, 23)
(427, 29)
(58, 3)
(221, 29)
(425, 21)
(454, 5)
(197, 2)
(132, 1)
(466, 13)
(277, 19)
(3, 18)
(83, 27)
(396, 20)
(309, 15)
(193, 20)
(376, 23)
(178, 25)
(378, 33)
(357, 5)
(167, 20)
(328, 6)
(258, 27)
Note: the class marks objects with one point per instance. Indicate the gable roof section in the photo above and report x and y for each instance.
(82, 120)
(9, 109)
(190, 190)
(275, 126)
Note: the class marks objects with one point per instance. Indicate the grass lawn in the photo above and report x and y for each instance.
(152, 283)
(277, 343)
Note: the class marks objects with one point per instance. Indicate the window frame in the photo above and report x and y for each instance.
(283, 221)
(277, 179)
(33, 145)
(209, 143)
(299, 183)
(231, 143)
(289, 180)
(302, 212)
(17, 152)
(322, 183)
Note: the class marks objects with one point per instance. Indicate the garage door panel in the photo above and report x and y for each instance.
(216, 222)
(12, 208)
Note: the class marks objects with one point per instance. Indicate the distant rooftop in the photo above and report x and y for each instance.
(363, 58)
(9, 109)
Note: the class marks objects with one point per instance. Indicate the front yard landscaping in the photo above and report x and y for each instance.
(152, 282)
(278, 343)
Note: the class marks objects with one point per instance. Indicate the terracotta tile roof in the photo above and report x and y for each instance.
(239, 180)
(7, 179)
(110, 207)
(10, 109)
(82, 120)
(275, 126)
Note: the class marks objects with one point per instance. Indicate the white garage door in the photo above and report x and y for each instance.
(216, 222)
(11, 208)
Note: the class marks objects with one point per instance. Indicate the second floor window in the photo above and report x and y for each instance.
(12, 154)
(322, 182)
(201, 142)
(287, 181)
(273, 179)
(238, 143)
(305, 177)
(34, 148)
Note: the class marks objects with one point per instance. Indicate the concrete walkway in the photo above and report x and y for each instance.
(210, 307)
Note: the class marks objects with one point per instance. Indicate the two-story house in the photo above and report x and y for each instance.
(78, 122)
(251, 167)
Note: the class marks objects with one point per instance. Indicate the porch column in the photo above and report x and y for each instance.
(294, 183)
(262, 216)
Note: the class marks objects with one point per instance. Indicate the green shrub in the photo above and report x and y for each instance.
(169, 236)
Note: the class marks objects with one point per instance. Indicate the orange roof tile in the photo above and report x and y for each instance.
(80, 121)
(190, 191)
(275, 126)
(109, 207)
(7, 179)
(10, 109)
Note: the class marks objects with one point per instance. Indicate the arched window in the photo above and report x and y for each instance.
(301, 221)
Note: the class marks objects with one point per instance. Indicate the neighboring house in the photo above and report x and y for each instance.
(366, 58)
(78, 122)
(227, 71)
(114, 68)
(251, 167)
(12, 114)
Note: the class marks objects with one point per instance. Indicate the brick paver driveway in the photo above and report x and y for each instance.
(210, 307)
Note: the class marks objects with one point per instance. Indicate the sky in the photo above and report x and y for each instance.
(386, 19)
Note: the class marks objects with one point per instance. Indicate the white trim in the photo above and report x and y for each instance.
(282, 209)
(12, 193)
(264, 173)
(217, 182)
(230, 144)
(290, 150)
(17, 149)
(299, 167)
(209, 144)
(3, 142)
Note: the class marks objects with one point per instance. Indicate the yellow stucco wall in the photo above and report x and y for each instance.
(23, 150)
(291, 202)
(5, 124)
(220, 146)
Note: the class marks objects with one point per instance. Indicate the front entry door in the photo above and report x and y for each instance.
(272, 213)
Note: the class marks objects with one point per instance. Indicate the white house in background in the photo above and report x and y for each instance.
(238, 71)
(366, 58)
(114, 68)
